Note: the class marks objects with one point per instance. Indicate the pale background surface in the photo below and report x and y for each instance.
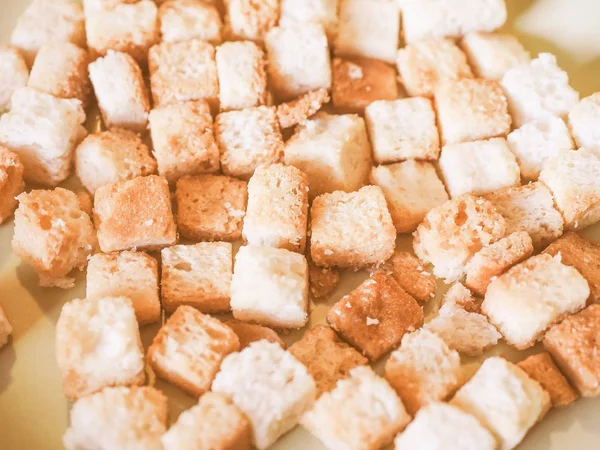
(33, 411)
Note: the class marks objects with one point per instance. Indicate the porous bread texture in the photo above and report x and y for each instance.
(323, 12)
(247, 19)
(583, 120)
(5, 327)
(14, 74)
(459, 296)
(248, 333)
(11, 182)
(92, 6)
(296, 112)
(182, 20)
(493, 54)
(410, 274)
(322, 281)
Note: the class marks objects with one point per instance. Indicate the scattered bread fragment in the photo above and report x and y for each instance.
(5, 327)
(459, 296)
(11, 182)
(322, 281)
(296, 112)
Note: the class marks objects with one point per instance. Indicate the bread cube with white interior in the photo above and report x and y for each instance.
(98, 345)
(250, 20)
(53, 235)
(11, 182)
(5, 327)
(458, 296)
(493, 54)
(14, 74)
(271, 388)
(182, 20)
(532, 296)
(296, 112)
(248, 333)
(91, 7)
(583, 121)
(323, 12)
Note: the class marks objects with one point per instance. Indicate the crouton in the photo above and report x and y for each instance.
(322, 281)
(493, 54)
(323, 12)
(583, 119)
(11, 182)
(297, 111)
(14, 74)
(5, 327)
(86, 202)
(250, 20)
(91, 7)
(248, 333)
(458, 296)
(182, 20)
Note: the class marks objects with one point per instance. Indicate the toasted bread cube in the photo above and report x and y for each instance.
(361, 413)
(53, 235)
(458, 296)
(453, 232)
(424, 65)
(14, 74)
(11, 182)
(189, 348)
(333, 151)
(296, 112)
(525, 301)
(250, 20)
(493, 54)
(538, 90)
(215, 422)
(91, 7)
(127, 274)
(86, 202)
(352, 230)
(248, 333)
(583, 122)
(118, 417)
(323, 12)
(98, 345)
(270, 287)
(211, 207)
(270, 386)
(298, 60)
(182, 20)
(5, 327)
(542, 369)
(242, 75)
(408, 271)
(135, 214)
(322, 281)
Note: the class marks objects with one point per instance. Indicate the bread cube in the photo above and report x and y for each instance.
(250, 20)
(322, 281)
(333, 151)
(118, 417)
(493, 54)
(182, 20)
(538, 90)
(14, 74)
(541, 368)
(270, 287)
(5, 327)
(11, 182)
(270, 386)
(242, 75)
(374, 316)
(189, 348)
(323, 12)
(458, 296)
(135, 214)
(583, 120)
(211, 207)
(361, 413)
(525, 301)
(98, 345)
(127, 274)
(53, 235)
(424, 65)
(91, 7)
(296, 112)
(248, 333)
(298, 60)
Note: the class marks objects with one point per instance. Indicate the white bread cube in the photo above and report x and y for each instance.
(11, 182)
(296, 112)
(98, 345)
(91, 7)
(361, 413)
(538, 90)
(323, 12)
(5, 327)
(493, 54)
(333, 151)
(250, 20)
(270, 287)
(412, 189)
(182, 20)
(270, 386)
(525, 301)
(298, 60)
(14, 74)
(504, 400)
(583, 122)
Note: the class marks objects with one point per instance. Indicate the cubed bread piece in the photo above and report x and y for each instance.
(127, 274)
(182, 20)
(298, 60)
(214, 423)
(423, 65)
(118, 417)
(538, 90)
(478, 167)
(504, 399)
(458, 296)
(525, 301)
(333, 151)
(423, 370)
(493, 54)
(91, 7)
(14, 74)
(323, 12)
(53, 235)
(374, 316)
(454, 231)
(296, 112)
(277, 211)
(408, 271)
(135, 214)
(189, 348)
(542, 369)
(242, 75)
(322, 281)
(249, 19)
(583, 122)
(248, 333)
(351, 230)
(11, 182)
(98, 345)
(270, 287)
(5, 327)
(211, 207)
(361, 413)
(412, 189)
(270, 386)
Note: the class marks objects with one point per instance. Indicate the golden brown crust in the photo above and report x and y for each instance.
(250, 332)
(322, 280)
(250, 19)
(459, 296)
(297, 111)
(11, 182)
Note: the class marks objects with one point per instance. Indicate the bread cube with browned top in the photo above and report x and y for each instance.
(248, 333)
(182, 20)
(11, 182)
(295, 112)
(247, 19)
(14, 74)
(411, 275)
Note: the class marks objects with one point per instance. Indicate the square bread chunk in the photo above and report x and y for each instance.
(248, 139)
(98, 345)
(374, 316)
(478, 167)
(412, 189)
(92, 6)
(361, 413)
(182, 20)
(5, 327)
(322, 281)
(14, 74)
(297, 111)
(211, 207)
(270, 287)
(583, 122)
(525, 301)
(402, 129)
(298, 60)
(122, 417)
(333, 151)
(423, 65)
(277, 211)
(53, 235)
(504, 400)
(248, 333)
(323, 12)
(423, 370)
(538, 90)
(458, 296)
(351, 230)
(270, 386)
(135, 214)
(250, 20)
(11, 182)
(189, 348)
(127, 274)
